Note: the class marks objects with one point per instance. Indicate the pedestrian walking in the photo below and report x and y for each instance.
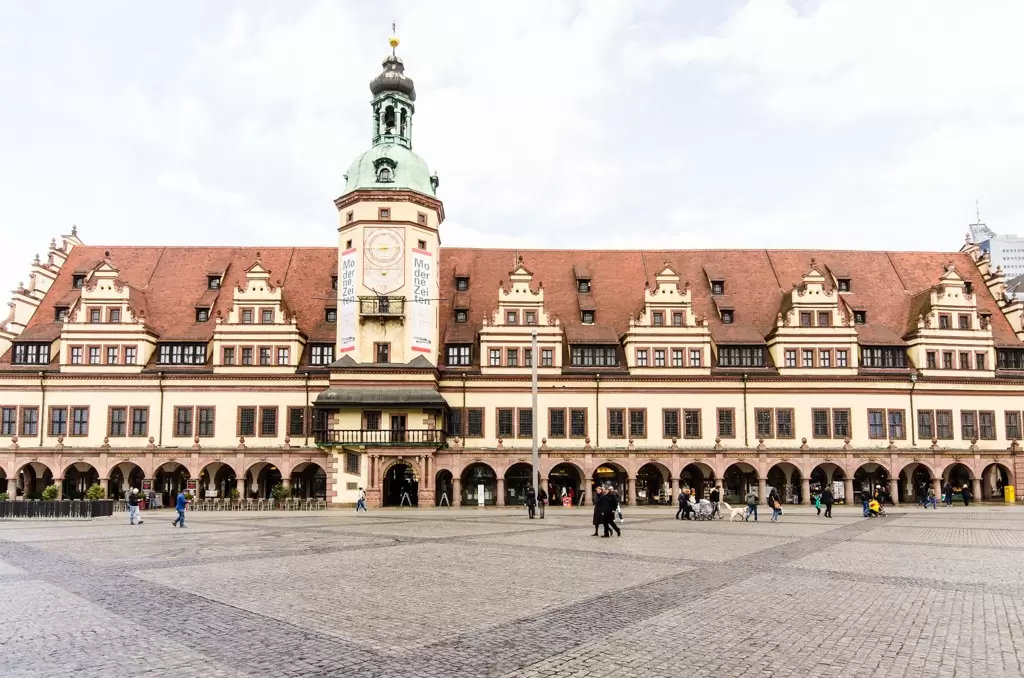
(180, 508)
(361, 500)
(716, 498)
(598, 507)
(531, 503)
(775, 501)
(684, 501)
(611, 507)
(865, 497)
(751, 505)
(542, 500)
(947, 494)
(817, 502)
(965, 494)
(931, 499)
(827, 498)
(134, 516)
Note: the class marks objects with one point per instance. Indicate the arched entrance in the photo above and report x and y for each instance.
(868, 479)
(518, 478)
(831, 475)
(612, 476)
(400, 480)
(260, 480)
(443, 487)
(914, 482)
(78, 478)
(787, 481)
(699, 478)
(33, 478)
(739, 479)
(217, 481)
(957, 475)
(994, 478)
(171, 478)
(123, 477)
(652, 484)
(565, 480)
(479, 480)
(309, 481)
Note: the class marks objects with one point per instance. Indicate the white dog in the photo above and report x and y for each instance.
(734, 513)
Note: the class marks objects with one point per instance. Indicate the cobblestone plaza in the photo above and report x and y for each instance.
(490, 593)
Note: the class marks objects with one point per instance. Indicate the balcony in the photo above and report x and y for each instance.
(381, 437)
(381, 307)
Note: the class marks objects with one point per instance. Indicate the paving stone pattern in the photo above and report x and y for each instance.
(420, 592)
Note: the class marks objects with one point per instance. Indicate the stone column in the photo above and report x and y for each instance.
(937, 484)
(371, 470)
(240, 486)
(630, 491)
(501, 492)
(848, 483)
(12, 487)
(894, 491)
(59, 482)
(588, 492)
(762, 490)
(976, 489)
(805, 491)
(456, 491)
(675, 490)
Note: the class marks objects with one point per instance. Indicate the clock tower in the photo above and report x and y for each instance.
(387, 306)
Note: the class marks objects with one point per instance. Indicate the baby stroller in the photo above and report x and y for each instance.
(702, 510)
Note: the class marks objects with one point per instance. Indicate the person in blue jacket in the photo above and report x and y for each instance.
(180, 506)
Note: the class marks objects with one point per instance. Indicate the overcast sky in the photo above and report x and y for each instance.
(848, 124)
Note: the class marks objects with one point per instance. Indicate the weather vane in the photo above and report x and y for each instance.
(393, 41)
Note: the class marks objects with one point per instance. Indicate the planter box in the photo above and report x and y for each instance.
(68, 510)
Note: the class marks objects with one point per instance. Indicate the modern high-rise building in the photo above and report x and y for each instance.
(1005, 251)
(383, 360)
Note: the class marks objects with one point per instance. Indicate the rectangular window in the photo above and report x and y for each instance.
(987, 425)
(331, 315)
(113, 353)
(717, 287)
(695, 357)
(616, 423)
(677, 357)
(593, 356)
(129, 355)
(876, 424)
(897, 430)
(638, 423)
(114, 315)
(462, 284)
(94, 315)
(264, 356)
(181, 354)
(183, 422)
(726, 423)
(511, 317)
(784, 423)
(965, 322)
(79, 421)
(461, 316)
(925, 424)
(841, 424)
(677, 319)
(820, 424)
(556, 423)
(691, 423)
(947, 360)
(1012, 425)
(458, 355)
(965, 360)
(841, 360)
(641, 357)
(213, 282)
(790, 357)
(931, 360)
(512, 357)
(267, 316)
(383, 213)
(495, 357)
(247, 316)
(31, 354)
(670, 424)
(247, 422)
(547, 357)
(296, 421)
(382, 352)
(352, 463)
(658, 319)
(117, 422)
(735, 356)
(944, 424)
(979, 361)
(808, 358)
(372, 420)
(9, 421)
(140, 422)
(824, 319)
(659, 357)
(824, 358)
(764, 426)
(805, 319)
(883, 357)
(282, 356)
(455, 423)
(268, 422)
(76, 355)
(968, 425)
(588, 318)
(525, 422)
(506, 423)
(530, 317)
(29, 421)
(247, 356)
(94, 355)
(475, 423)
(527, 357)
(205, 421)
(229, 355)
(323, 354)
(58, 421)
(943, 321)
(578, 423)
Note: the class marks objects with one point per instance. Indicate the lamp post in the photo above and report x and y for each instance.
(536, 452)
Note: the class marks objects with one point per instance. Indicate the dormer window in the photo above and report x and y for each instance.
(213, 282)
(583, 286)
(334, 283)
(202, 315)
(37, 353)
(860, 317)
(461, 316)
(462, 284)
(384, 175)
(717, 287)
(727, 317)
(986, 320)
(968, 288)
(588, 317)
(844, 284)
(331, 315)
(78, 281)
(60, 314)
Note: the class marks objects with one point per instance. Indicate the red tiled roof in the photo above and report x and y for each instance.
(878, 335)
(460, 333)
(591, 334)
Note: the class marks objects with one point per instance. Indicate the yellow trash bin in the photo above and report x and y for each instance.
(1009, 494)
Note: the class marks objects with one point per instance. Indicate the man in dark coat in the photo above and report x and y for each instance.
(598, 507)
(827, 498)
(542, 500)
(611, 505)
(531, 502)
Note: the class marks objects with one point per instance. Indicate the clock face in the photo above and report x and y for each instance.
(383, 248)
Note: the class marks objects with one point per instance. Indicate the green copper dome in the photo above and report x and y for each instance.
(390, 167)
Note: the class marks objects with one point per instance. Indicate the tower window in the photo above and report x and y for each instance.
(421, 218)
(331, 315)
(460, 316)
(334, 283)
(384, 175)
(462, 284)
(421, 244)
(383, 213)
(350, 216)
(844, 284)
(213, 282)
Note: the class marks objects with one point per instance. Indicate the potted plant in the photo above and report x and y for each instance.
(95, 493)
(234, 493)
(4, 496)
(50, 493)
(280, 492)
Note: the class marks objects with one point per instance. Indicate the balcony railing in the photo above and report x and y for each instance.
(381, 306)
(381, 438)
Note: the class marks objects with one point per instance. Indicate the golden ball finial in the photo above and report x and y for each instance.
(393, 41)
